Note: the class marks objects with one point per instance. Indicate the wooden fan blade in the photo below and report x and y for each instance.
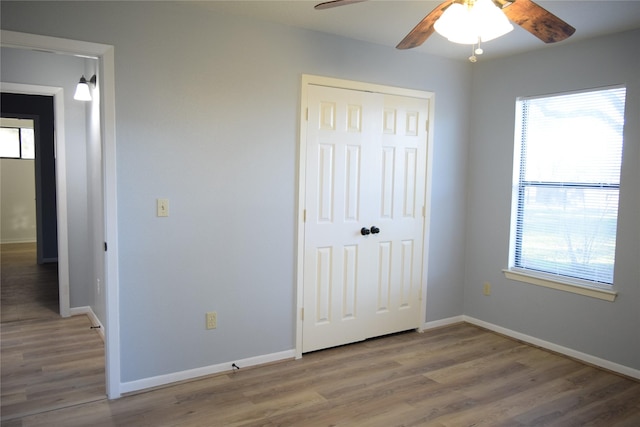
(538, 21)
(335, 3)
(424, 29)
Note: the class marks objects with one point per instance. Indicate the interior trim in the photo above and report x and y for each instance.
(589, 291)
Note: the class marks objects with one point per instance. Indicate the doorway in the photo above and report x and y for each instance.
(39, 109)
(23, 102)
(364, 168)
(17, 170)
(29, 286)
(104, 54)
(29, 218)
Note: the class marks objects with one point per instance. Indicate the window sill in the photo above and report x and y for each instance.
(540, 280)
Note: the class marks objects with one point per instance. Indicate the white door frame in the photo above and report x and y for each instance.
(104, 54)
(369, 87)
(61, 182)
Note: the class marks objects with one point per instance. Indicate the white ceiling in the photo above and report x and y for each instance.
(386, 22)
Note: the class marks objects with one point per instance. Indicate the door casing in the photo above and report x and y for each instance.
(308, 80)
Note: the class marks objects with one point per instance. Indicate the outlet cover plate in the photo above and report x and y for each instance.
(212, 320)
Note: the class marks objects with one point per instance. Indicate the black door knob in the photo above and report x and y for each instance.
(364, 231)
(374, 229)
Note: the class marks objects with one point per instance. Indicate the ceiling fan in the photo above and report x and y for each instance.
(529, 15)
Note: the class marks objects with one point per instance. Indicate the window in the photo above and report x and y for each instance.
(566, 185)
(17, 143)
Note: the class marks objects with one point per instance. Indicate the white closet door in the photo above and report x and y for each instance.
(365, 169)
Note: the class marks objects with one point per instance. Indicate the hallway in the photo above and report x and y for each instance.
(47, 362)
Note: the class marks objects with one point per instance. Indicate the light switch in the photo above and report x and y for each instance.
(162, 207)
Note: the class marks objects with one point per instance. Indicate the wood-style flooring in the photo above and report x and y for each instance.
(46, 362)
(28, 291)
(453, 376)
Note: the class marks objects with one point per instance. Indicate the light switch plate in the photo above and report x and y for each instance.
(162, 206)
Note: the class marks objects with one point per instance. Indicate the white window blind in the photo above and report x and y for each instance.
(569, 153)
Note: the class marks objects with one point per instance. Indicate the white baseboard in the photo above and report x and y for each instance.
(161, 380)
(76, 311)
(593, 360)
(190, 374)
(442, 322)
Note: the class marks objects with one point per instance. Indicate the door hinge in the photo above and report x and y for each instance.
(302, 313)
(307, 114)
(424, 211)
(304, 215)
(426, 125)
(105, 246)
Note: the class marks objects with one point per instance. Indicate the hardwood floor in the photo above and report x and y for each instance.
(47, 362)
(455, 376)
(459, 375)
(28, 291)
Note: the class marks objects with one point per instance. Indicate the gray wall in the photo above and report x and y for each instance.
(206, 116)
(40, 68)
(603, 329)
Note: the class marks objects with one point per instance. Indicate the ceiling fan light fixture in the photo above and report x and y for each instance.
(455, 25)
(490, 20)
(479, 20)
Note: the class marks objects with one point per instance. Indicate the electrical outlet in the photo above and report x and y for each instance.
(212, 320)
(486, 288)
